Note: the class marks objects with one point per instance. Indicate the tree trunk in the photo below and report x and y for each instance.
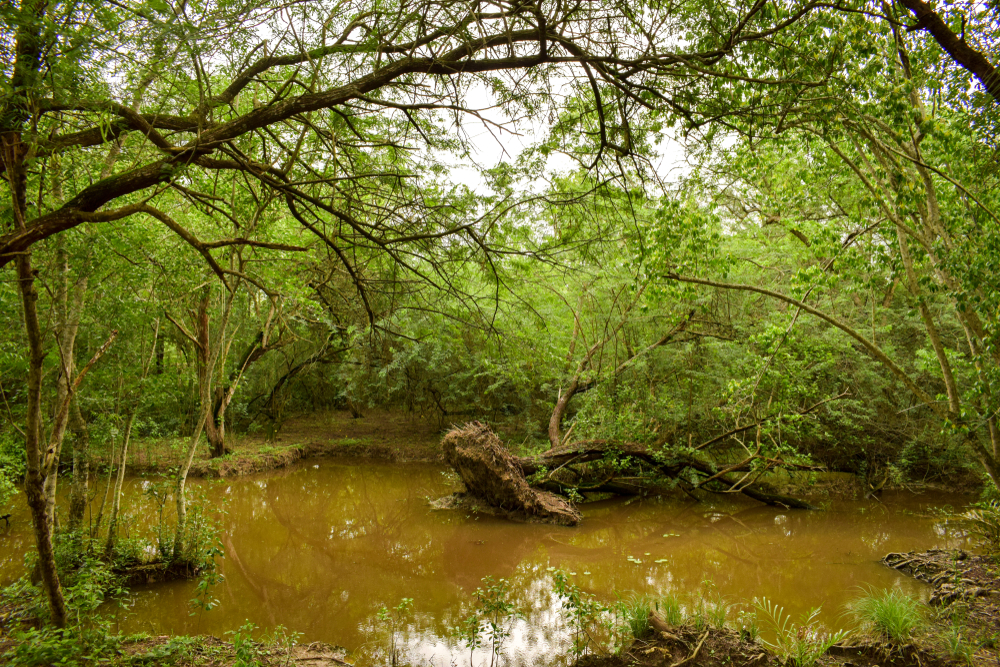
(81, 471)
(35, 477)
(109, 546)
(559, 411)
(180, 533)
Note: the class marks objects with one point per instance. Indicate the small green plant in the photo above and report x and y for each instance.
(802, 644)
(203, 599)
(711, 609)
(395, 619)
(669, 607)
(281, 642)
(248, 652)
(891, 614)
(174, 650)
(498, 614)
(956, 645)
(585, 613)
(746, 622)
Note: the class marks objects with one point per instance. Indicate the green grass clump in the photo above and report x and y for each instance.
(892, 614)
(957, 645)
(669, 607)
(634, 612)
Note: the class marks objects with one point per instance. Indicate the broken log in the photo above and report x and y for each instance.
(493, 476)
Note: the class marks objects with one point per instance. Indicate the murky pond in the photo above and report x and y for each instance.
(320, 548)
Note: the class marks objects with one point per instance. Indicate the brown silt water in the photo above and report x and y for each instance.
(321, 548)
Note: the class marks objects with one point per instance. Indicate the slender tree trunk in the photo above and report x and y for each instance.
(559, 411)
(109, 546)
(81, 471)
(35, 477)
(180, 534)
(154, 352)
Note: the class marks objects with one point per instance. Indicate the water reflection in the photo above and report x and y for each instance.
(319, 550)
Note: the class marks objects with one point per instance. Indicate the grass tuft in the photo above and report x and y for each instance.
(669, 607)
(892, 614)
(634, 612)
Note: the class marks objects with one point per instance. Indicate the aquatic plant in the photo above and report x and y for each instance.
(669, 607)
(801, 643)
(711, 609)
(891, 614)
(491, 621)
(394, 619)
(498, 613)
(746, 622)
(584, 610)
(634, 614)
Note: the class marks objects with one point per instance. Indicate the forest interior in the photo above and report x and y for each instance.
(399, 331)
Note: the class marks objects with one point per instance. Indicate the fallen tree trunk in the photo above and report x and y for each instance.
(634, 467)
(530, 488)
(493, 476)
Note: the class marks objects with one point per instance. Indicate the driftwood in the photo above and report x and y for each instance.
(492, 476)
(530, 488)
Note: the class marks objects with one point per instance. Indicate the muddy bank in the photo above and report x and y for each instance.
(966, 587)
(207, 651)
(667, 646)
(964, 604)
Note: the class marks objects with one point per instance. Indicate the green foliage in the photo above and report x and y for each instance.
(803, 643)
(394, 621)
(88, 636)
(584, 611)
(76, 647)
(248, 652)
(491, 620)
(12, 466)
(956, 644)
(891, 614)
(746, 622)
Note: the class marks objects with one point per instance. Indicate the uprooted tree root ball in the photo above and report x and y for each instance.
(493, 476)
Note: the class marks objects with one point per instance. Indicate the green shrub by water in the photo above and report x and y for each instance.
(891, 614)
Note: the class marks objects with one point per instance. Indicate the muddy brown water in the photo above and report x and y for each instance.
(321, 547)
